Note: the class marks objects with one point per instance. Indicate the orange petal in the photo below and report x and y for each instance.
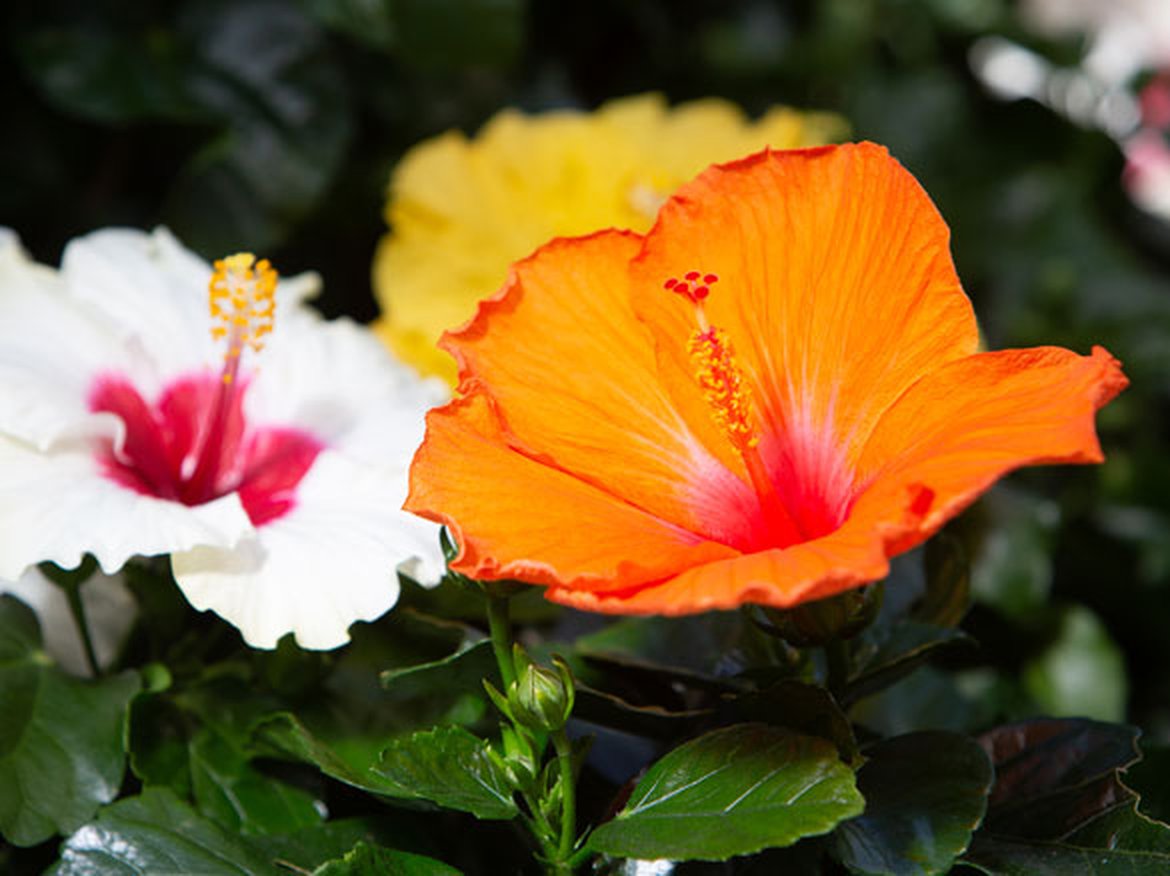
(972, 421)
(529, 519)
(837, 289)
(936, 449)
(573, 375)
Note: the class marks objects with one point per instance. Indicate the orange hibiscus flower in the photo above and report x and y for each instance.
(761, 400)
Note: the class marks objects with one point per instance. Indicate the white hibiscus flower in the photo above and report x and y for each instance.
(132, 422)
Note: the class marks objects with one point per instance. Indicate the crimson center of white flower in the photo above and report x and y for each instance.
(192, 444)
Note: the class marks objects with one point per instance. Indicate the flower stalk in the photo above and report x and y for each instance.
(536, 705)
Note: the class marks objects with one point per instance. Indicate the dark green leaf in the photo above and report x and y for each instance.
(367, 860)
(924, 795)
(61, 738)
(883, 654)
(157, 833)
(464, 670)
(448, 766)
(284, 735)
(237, 796)
(732, 792)
(1054, 775)
(948, 582)
(157, 737)
(1119, 842)
(699, 648)
(1150, 779)
(610, 710)
(1059, 805)
(804, 708)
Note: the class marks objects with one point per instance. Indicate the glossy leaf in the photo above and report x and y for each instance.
(157, 833)
(283, 734)
(448, 766)
(801, 707)
(367, 860)
(463, 670)
(732, 792)
(1054, 775)
(1059, 804)
(924, 795)
(884, 654)
(61, 751)
(230, 791)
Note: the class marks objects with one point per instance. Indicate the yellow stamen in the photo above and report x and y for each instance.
(721, 380)
(242, 302)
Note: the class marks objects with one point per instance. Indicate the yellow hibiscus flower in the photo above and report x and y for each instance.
(461, 211)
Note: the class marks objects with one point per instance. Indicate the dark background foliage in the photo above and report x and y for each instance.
(273, 125)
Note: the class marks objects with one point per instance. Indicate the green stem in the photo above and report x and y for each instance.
(77, 609)
(501, 631)
(564, 750)
(837, 660)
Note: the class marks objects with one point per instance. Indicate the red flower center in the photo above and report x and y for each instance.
(193, 445)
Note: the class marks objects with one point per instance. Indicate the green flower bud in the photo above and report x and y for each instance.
(839, 617)
(542, 698)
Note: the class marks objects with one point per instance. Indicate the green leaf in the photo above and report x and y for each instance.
(157, 737)
(732, 792)
(1082, 673)
(463, 670)
(448, 766)
(1054, 775)
(1059, 805)
(157, 833)
(1120, 842)
(61, 738)
(948, 582)
(884, 654)
(610, 710)
(286, 735)
(801, 707)
(924, 795)
(367, 860)
(697, 649)
(237, 796)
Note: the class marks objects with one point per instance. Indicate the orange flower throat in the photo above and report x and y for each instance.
(719, 376)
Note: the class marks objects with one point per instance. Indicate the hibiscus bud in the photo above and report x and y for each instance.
(541, 698)
(839, 617)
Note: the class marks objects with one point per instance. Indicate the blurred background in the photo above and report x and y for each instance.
(1038, 127)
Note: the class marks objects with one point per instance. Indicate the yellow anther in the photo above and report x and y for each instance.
(242, 301)
(721, 380)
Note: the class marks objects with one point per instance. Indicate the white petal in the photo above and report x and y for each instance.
(58, 506)
(50, 351)
(150, 292)
(327, 563)
(336, 380)
(153, 293)
(109, 612)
